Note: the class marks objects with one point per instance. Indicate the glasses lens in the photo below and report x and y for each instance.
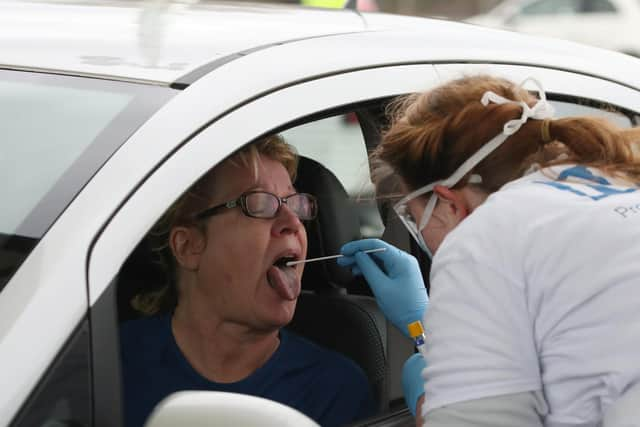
(412, 227)
(407, 219)
(303, 205)
(261, 205)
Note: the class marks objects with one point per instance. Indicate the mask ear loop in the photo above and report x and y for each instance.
(428, 211)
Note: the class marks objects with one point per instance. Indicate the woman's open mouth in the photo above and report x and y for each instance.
(284, 280)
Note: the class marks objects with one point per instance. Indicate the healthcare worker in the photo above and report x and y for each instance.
(534, 227)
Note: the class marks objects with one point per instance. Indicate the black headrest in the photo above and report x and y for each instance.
(336, 224)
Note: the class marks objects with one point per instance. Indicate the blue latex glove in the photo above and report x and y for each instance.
(395, 279)
(412, 382)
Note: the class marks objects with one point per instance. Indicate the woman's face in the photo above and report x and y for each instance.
(236, 276)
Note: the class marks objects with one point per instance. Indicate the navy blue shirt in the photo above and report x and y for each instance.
(324, 385)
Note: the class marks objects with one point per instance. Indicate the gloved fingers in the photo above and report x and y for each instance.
(412, 381)
(349, 262)
(346, 261)
(413, 368)
(396, 260)
(348, 249)
(370, 270)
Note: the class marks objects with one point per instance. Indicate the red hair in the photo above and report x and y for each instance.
(433, 133)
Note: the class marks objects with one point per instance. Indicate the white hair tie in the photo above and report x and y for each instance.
(540, 111)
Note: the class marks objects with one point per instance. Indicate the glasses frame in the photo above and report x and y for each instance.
(242, 203)
(402, 210)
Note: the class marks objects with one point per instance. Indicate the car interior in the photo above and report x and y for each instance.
(335, 309)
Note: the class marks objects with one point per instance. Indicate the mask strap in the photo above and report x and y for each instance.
(428, 210)
(540, 111)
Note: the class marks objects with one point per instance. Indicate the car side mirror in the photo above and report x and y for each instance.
(218, 409)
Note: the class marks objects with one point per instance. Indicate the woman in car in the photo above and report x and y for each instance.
(534, 224)
(230, 237)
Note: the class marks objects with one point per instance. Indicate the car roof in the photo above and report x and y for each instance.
(154, 40)
(177, 43)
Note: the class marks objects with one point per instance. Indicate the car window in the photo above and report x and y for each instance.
(338, 144)
(597, 6)
(549, 7)
(575, 108)
(56, 132)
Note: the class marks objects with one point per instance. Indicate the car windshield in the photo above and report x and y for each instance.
(56, 132)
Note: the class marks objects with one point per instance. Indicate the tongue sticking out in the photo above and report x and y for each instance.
(284, 281)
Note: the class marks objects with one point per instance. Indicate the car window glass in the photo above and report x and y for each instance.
(598, 6)
(548, 7)
(338, 144)
(567, 109)
(45, 128)
(56, 132)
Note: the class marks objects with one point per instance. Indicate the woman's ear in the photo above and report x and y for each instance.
(456, 201)
(187, 245)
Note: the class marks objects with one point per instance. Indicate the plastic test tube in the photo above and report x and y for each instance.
(416, 332)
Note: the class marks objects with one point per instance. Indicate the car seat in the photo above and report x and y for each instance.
(328, 311)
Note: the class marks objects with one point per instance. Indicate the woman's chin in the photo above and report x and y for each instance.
(282, 316)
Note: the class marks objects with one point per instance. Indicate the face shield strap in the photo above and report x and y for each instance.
(540, 111)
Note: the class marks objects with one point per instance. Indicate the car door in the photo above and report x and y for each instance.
(285, 109)
(57, 131)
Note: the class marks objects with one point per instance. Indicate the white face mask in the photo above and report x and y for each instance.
(540, 111)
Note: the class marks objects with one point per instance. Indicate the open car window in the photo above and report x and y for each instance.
(567, 107)
(338, 144)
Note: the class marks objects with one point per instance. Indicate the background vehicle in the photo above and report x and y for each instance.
(109, 112)
(610, 24)
(362, 5)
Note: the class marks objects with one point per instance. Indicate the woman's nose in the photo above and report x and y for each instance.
(286, 221)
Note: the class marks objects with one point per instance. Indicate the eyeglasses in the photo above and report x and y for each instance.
(261, 204)
(405, 216)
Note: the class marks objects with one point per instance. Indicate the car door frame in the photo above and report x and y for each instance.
(240, 126)
(236, 128)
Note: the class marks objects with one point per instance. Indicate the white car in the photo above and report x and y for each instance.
(609, 24)
(108, 112)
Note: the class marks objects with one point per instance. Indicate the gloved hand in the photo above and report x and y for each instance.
(412, 382)
(397, 283)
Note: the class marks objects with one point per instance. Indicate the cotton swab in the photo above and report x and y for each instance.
(291, 263)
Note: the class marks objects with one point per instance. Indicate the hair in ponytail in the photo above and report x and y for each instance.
(431, 134)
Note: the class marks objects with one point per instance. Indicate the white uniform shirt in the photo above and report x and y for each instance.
(539, 289)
